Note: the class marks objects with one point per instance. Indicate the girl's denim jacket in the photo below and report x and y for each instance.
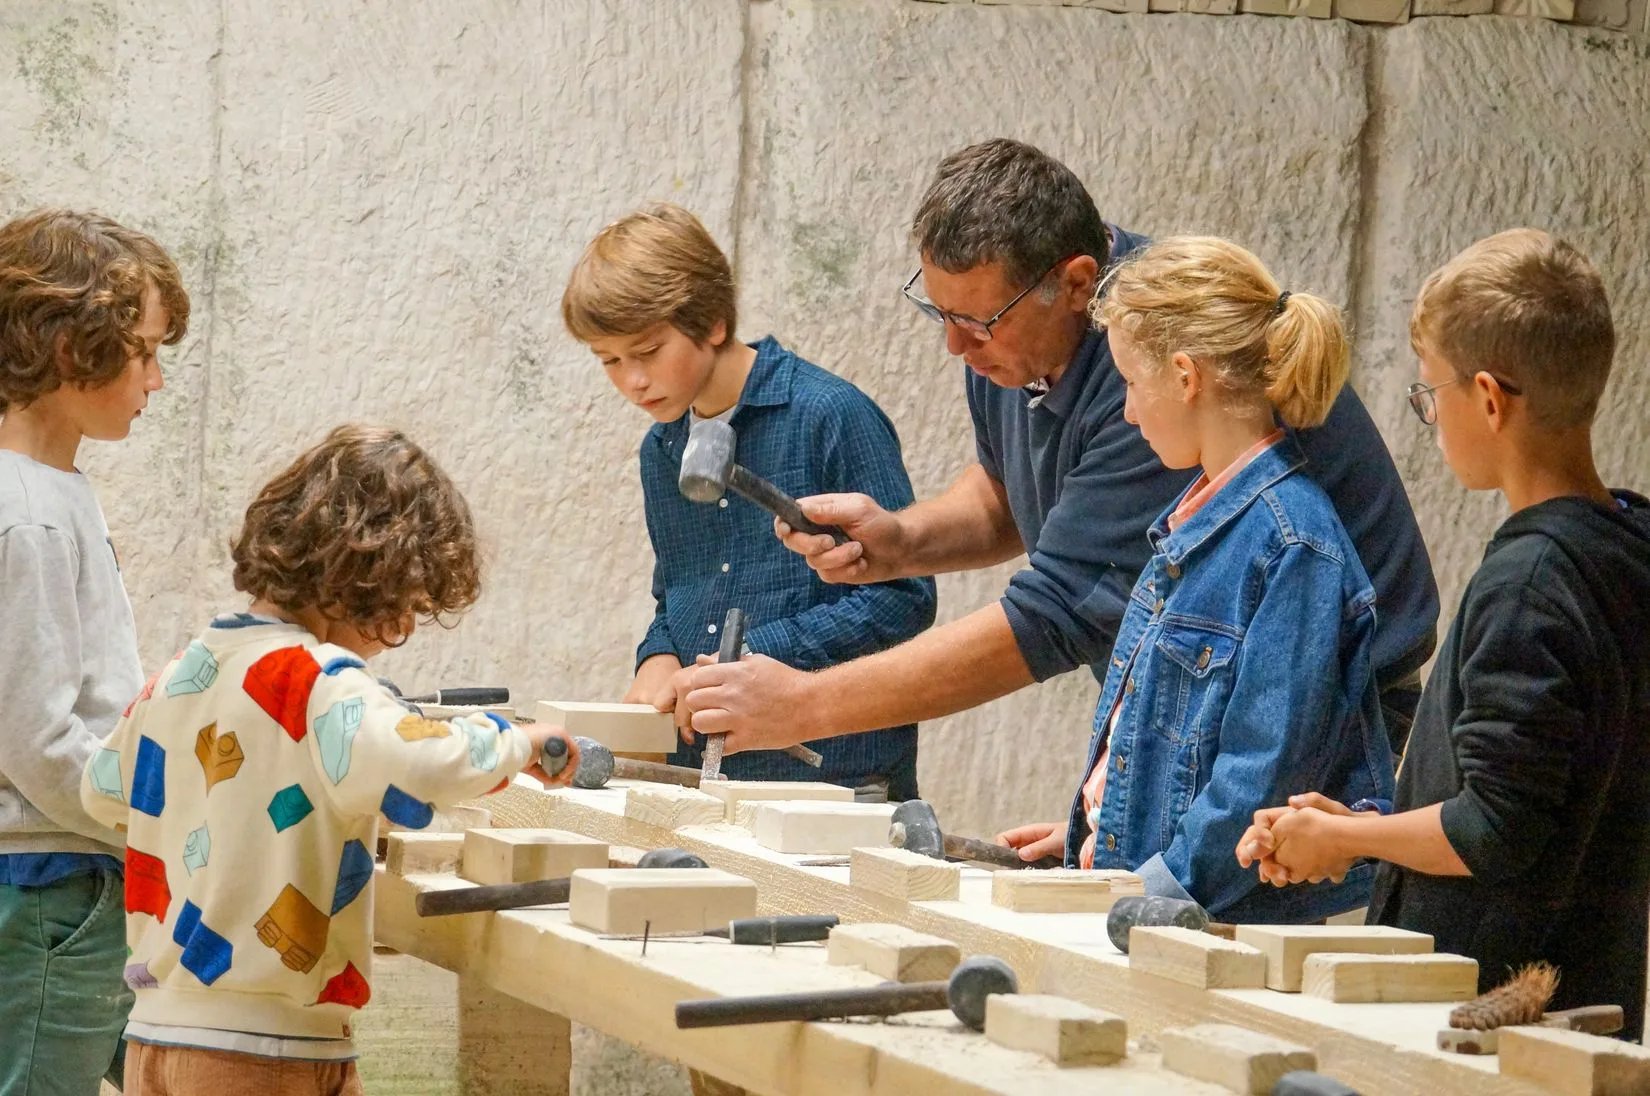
(1243, 661)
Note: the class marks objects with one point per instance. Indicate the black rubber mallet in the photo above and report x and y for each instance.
(974, 979)
(915, 828)
(1306, 1083)
(597, 766)
(1159, 911)
(708, 473)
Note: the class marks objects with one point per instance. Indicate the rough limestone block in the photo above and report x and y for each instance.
(1062, 890)
(629, 900)
(1623, 15)
(1287, 946)
(1313, 9)
(822, 828)
(622, 728)
(670, 807)
(1373, 11)
(1244, 1061)
(519, 856)
(1561, 10)
(1348, 978)
(735, 792)
(1065, 1031)
(1451, 7)
(1196, 958)
(1571, 1063)
(415, 853)
(1134, 6)
(910, 876)
(893, 952)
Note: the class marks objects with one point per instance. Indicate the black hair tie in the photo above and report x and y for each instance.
(1283, 302)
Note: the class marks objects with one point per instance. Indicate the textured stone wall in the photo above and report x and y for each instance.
(375, 204)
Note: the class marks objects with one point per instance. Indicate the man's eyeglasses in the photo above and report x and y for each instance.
(1425, 404)
(977, 329)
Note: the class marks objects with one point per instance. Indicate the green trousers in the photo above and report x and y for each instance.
(63, 1002)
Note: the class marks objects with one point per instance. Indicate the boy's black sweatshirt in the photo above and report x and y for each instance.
(1534, 733)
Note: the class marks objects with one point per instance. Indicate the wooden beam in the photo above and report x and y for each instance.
(670, 807)
(1063, 890)
(908, 876)
(821, 828)
(1243, 1061)
(1064, 1031)
(1362, 978)
(892, 952)
(626, 900)
(1571, 1063)
(1196, 958)
(622, 728)
(734, 792)
(1287, 946)
(522, 855)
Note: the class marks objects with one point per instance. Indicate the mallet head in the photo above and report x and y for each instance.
(595, 764)
(707, 461)
(975, 979)
(915, 828)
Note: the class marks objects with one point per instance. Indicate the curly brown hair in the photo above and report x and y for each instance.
(73, 283)
(364, 528)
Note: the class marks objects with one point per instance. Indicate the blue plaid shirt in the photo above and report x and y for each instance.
(809, 432)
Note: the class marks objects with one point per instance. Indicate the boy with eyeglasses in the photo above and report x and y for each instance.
(1523, 807)
(654, 299)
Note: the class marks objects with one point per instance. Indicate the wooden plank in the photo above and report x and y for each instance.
(625, 900)
(735, 792)
(1287, 946)
(1063, 890)
(822, 828)
(1571, 1063)
(1066, 1032)
(522, 855)
(1348, 978)
(1384, 1051)
(1196, 958)
(1245, 1062)
(909, 876)
(412, 853)
(508, 1049)
(893, 952)
(670, 807)
(539, 958)
(622, 728)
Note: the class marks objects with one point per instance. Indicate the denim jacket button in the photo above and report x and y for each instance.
(1203, 658)
(1111, 842)
(1158, 608)
(1174, 570)
(1121, 764)
(1128, 687)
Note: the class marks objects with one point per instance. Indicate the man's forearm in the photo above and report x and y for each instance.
(948, 669)
(1411, 839)
(967, 527)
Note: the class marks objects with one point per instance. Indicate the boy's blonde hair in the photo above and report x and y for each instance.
(366, 528)
(1525, 306)
(1215, 302)
(72, 284)
(657, 265)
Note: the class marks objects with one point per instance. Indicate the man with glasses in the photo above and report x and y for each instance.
(1012, 249)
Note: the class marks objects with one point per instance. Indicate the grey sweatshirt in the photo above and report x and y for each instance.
(68, 655)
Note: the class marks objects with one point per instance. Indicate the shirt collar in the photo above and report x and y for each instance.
(1270, 466)
(771, 375)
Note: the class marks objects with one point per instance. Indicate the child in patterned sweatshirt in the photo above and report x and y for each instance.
(251, 771)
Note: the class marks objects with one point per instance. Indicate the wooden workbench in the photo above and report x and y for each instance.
(1380, 1049)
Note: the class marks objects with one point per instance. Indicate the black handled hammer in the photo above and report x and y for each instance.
(708, 472)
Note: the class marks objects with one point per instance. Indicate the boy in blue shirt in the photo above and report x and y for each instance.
(654, 299)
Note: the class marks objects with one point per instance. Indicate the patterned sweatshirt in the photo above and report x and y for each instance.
(250, 774)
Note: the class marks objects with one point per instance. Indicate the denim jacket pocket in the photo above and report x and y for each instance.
(1193, 679)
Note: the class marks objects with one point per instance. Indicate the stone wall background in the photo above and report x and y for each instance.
(375, 204)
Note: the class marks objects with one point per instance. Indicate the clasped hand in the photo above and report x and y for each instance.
(1295, 843)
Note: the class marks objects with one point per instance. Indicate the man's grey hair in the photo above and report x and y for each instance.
(1006, 202)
